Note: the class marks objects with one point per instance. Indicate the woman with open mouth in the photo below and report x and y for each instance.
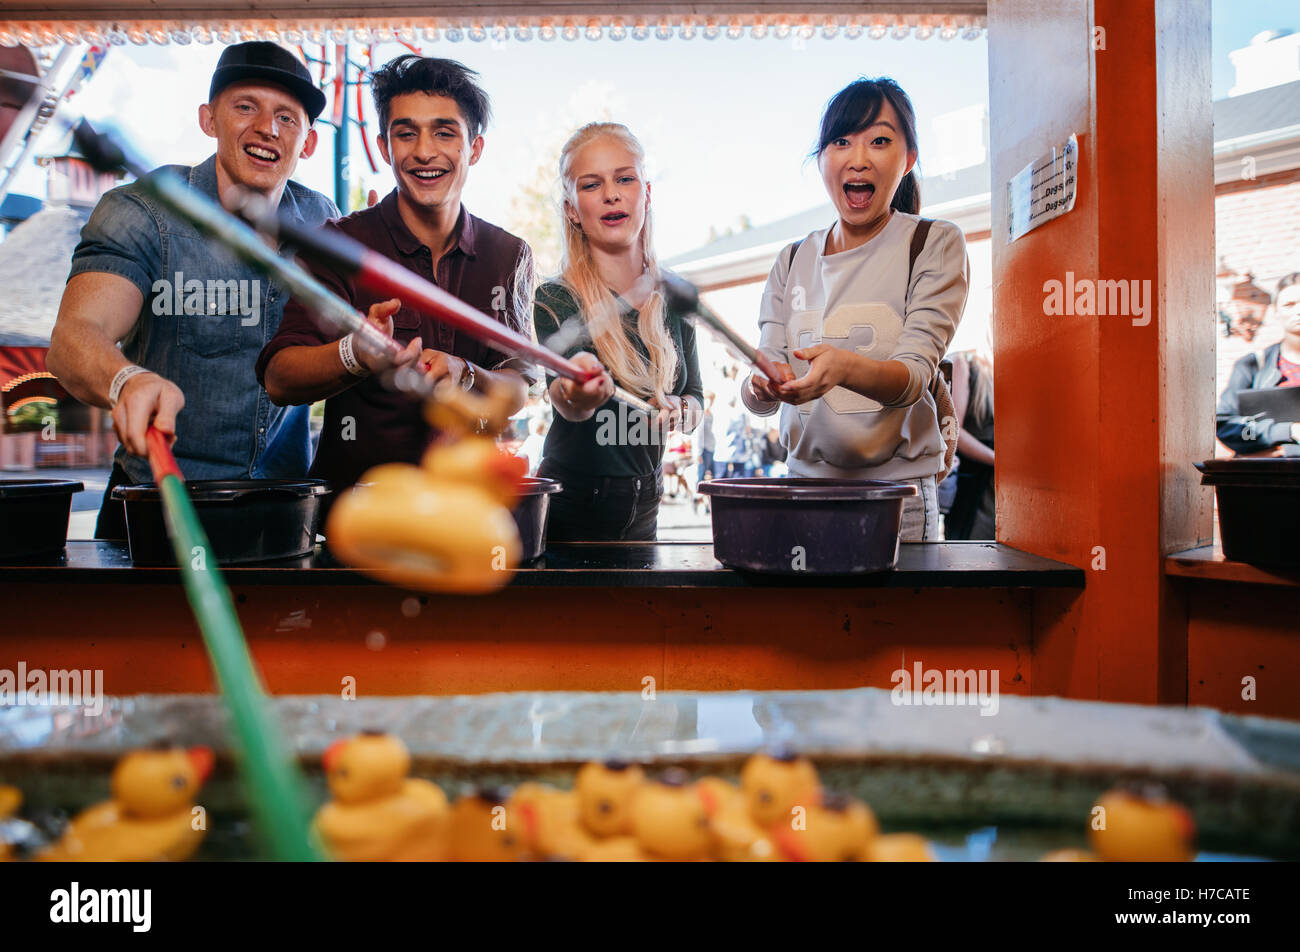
(858, 315)
(607, 311)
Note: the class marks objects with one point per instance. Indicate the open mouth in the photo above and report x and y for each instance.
(859, 194)
(614, 218)
(427, 175)
(262, 154)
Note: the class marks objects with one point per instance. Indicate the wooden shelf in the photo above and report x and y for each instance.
(1208, 563)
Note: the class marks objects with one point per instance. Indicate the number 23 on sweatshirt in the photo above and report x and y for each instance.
(860, 300)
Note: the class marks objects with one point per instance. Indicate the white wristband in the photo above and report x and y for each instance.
(119, 381)
(350, 362)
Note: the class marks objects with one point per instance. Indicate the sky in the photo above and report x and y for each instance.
(727, 124)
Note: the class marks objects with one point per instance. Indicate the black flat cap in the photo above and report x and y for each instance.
(271, 63)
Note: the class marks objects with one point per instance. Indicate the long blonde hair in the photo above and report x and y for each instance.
(980, 402)
(596, 302)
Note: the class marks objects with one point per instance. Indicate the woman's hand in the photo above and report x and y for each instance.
(586, 397)
(381, 316)
(765, 389)
(827, 369)
(672, 412)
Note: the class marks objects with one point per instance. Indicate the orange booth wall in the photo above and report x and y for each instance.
(1100, 420)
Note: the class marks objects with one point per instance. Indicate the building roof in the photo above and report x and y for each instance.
(936, 191)
(16, 207)
(1251, 114)
(34, 262)
(1277, 107)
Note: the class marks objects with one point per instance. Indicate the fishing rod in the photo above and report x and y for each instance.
(384, 276)
(110, 153)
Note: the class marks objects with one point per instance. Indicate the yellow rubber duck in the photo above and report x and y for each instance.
(378, 813)
(775, 784)
(838, 829)
(737, 838)
(445, 525)
(1141, 824)
(1068, 856)
(605, 792)
(549, 820)
(482, 830)
(151, 816)
(670, 819)
(11, 798)
(898, 848)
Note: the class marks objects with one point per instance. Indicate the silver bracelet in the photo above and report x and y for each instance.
(350, 362)
(119, 381)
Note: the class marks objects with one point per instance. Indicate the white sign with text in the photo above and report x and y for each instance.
(1043, 189)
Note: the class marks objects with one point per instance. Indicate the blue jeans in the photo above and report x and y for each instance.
(921, 512)
(706, 465)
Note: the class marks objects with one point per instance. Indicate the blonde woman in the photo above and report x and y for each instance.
(607, 311)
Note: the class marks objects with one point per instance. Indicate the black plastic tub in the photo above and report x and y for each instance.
(531, 512)
(1259, 508)
(34, 515)
(246, 520)
(799, 526)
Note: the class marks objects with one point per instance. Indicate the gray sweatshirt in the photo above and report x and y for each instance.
(859, 300)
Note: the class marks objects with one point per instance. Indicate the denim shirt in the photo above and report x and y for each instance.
(206, 316)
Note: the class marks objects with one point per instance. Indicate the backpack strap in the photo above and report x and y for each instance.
(789, 261)
(919, 236)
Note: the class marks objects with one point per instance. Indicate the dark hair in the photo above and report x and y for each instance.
(1290, 279)
(857, 106)
(409, 73)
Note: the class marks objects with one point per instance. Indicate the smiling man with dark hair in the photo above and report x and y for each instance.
(433, 117)
(190, 317)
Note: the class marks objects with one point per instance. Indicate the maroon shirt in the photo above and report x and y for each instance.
(388, 426)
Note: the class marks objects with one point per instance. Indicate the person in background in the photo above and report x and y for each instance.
(677, 461)
(532, 446)
(729, 456)
(1277, 366)
(608, 298)
(189, 370)
(705, 439)
(974, 506)
(771, 453)
(854, 286)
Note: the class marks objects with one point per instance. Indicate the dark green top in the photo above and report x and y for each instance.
(615, 440)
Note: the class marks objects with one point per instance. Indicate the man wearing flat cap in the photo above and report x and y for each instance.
(190, 318)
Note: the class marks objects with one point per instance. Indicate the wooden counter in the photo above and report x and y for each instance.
(591, 617)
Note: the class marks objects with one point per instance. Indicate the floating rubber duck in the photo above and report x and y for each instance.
(1142, 825)
(670, 819)
(605, 793)
(614, 849)
(151, 816)
(378, 813)
(775, 784)
(737, 838)
(550, 822)
(838, 829)
(445, 525)
(1069, 856)
(898, 848)
(482, 830)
